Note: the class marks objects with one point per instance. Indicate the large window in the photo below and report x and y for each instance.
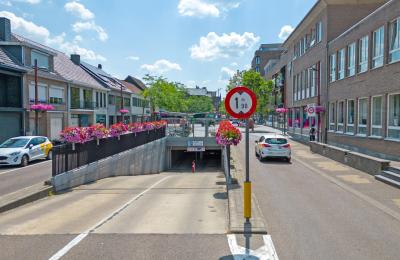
(42, 96)
(340, 117)
(258, 60)
(88, 98)
(303, 85)
(10, 91)
(362, 116)
(313, 80)
(341, 63)
(42, 60)
(332, 67)
(319, 32)
(111, 100)
(127, 102)
(350, 116)
(394, 41)
(351, 59)
(394, 117)
(378, 47)
(56, 95)
(332, 126)
(376, 116)
(75, 98)
(363, 54)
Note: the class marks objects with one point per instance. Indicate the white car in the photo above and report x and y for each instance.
(273, 146)
(24, 149)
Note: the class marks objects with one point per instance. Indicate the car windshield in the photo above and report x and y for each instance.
(15, 143)
(276, 141)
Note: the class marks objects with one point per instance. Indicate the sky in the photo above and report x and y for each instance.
(195, 42)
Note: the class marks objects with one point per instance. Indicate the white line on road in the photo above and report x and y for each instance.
(27, 167)
(81, 236)
(266, 252)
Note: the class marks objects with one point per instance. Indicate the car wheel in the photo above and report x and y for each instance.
(49, 155)
(288, 160)
(24, 160)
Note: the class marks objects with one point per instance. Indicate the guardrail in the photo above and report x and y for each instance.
(67, 157)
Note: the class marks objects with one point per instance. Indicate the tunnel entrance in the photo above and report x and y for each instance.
(209, 160)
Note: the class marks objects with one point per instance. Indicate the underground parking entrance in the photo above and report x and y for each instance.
(208, 160)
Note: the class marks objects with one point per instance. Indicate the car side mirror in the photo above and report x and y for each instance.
(30, 146)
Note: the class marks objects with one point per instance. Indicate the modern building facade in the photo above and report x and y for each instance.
(264, 54)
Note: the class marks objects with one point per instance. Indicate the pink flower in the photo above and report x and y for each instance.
(124, 111)
(42, 107)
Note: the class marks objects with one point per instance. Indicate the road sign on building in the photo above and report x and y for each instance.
(311, 110)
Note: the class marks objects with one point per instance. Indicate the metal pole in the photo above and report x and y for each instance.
(247, 183)
(247, 151)
(122, 106)
(36, 99)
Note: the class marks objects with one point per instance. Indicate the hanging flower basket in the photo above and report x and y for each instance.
(227, 134)
(281, 110)
(124, 111)
(42, 107)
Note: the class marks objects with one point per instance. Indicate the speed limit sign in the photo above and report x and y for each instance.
(240, 102)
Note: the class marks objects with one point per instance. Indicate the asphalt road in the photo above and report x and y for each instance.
(316, 208)
(13, 178)
(166, 216)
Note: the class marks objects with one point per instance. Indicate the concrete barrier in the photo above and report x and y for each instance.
(145, 159)
(362, 162)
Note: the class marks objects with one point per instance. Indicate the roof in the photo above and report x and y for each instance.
(104, 78)
(133, 88)
(7, 60)
(64, 66)
(137, 82)
(197, 91)
(30, 43)
(48, 75)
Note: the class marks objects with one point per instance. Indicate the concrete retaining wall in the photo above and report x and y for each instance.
(362, 162)
(145, 159)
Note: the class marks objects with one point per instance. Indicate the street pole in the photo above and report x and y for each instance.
(122, 106)
(247, 183)
(36, 99)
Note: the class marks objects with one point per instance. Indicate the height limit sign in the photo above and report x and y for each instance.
(241, 102)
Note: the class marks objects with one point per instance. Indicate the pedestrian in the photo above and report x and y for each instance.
(312, 134)
(193, 166)
(251, 124)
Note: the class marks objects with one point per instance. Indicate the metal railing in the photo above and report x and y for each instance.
(67, 157)
(83, 105)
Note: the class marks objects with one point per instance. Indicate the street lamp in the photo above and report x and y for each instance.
(36, 98)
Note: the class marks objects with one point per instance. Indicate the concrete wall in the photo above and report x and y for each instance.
(362, 162)
(145, 159)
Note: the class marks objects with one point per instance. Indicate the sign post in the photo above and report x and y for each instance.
(241, 103)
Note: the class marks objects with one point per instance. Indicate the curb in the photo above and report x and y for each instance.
(24, 196)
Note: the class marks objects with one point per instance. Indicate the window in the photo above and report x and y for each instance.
(319, 31)
(307, 82)
(75, 98)
(394, 117)
(332, 117)
(42, 60)
(351, 59)
(97, 99)
(127, 102)
(363, 54)
(376, 119)
(340, 117)
(312, 79)
(257, 69)
(56, 95)
(394, 41)
(10, 91)
(111, 100)
(341, 63)
(378, 47)
(42, 96)
(257, 60)
(312, 37)
(350, 116)
(87, 98)
(303, 85)
(362, 116)
(332, 67)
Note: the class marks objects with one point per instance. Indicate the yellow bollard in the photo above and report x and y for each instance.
(247, 199)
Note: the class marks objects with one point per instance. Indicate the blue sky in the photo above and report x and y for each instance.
(196, 42)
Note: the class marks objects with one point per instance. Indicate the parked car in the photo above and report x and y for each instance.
(24, 149)
(273, 146)
(238, 123)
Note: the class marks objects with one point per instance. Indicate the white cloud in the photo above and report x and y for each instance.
(135, 58)
(161, 66)
(79, 10)
(286, 30)
(42, 35)
(213, 46)
(202, 8)
(227, 73)
(32, 2)
(78, 38)
(90, 26)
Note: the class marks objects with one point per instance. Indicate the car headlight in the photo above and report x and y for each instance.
(14, 153)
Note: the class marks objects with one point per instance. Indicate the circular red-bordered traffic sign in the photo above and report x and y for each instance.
(311, 110)
(245, 106)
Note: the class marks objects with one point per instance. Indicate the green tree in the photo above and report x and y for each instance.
(199, 104)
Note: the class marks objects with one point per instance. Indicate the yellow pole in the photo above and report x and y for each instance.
(247, 200)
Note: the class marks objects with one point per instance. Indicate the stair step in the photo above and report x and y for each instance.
(392, 175)
(393, 169)
(388, 181)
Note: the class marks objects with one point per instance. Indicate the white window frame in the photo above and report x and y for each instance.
(58, 88)
(313, 81)
(359, 117)
(393, 49)
(351, 65)
(372, 113)
(332, 125)
(348, 117)
(41, 86)
(397, 128)
(319, 32)
(337, 116)
(303, 87)
(43, 54)
(341, 64)
(378, 51)
(363, 54)
(332, 67)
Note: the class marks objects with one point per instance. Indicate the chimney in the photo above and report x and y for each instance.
(76, 58)
(5, 29)
(99, 66)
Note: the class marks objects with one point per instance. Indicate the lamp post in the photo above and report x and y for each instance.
(36, 99)
(122, 106)
(317, 70)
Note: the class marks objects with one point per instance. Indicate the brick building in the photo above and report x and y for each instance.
(264, 54)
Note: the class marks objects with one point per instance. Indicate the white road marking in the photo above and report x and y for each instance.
(27, 167)
(82, 236)
(266, 252)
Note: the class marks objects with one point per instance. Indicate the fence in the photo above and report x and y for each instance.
(65, 158)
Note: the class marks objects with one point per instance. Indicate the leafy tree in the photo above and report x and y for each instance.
(198, 104)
